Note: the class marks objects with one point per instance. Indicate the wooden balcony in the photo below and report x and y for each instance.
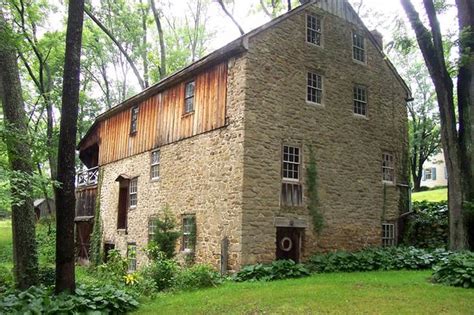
(88, 177)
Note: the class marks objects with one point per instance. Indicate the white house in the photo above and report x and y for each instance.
(435, 172)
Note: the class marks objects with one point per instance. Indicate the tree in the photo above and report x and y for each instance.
(223, 7)
(156, 16)
(25, 259)
(65, 193)
(457, 145)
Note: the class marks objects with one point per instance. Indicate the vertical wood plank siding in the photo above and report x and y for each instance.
(161, 118)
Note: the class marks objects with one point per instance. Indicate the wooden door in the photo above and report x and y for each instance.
(83, 238)
(288, 243)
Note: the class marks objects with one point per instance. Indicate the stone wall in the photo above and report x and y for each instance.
(201, 175)
(348, 148)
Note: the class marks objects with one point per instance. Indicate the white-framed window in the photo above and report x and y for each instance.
(314, 88)
(360, 100)
(152, 227)
(429, 173)
(155, 165)
(133, 193)
(313, 29)
(388, 167)
(132, 257)
(189, 232)
(388, 234)
(189, 97)
(134, 119)
(291, 188)
(358, 47)
(291, 163)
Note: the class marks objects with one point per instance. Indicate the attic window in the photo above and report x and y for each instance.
(313, 30)
(189, 97)
(358, 47)
(134, 120)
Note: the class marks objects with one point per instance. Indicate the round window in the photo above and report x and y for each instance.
(286, 244)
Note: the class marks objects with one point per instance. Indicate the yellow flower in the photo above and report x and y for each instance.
(130, 279)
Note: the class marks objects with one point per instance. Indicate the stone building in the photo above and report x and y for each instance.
(226, 145)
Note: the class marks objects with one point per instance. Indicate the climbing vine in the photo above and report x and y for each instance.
(96, 236)
(312, 188)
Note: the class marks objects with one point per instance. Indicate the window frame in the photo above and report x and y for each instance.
(186, 97)
(309, 29)
(185, 241)
(429, 171)
(131, 260)
(390, 168)
(133, 183)
(356, 101)
(134, 111)
(389, 233)
(316, 89)
(155, 164)
(152, 226)
(299, 164)
(363, 49)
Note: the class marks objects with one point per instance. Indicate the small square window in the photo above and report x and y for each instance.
(134, 120)
(132, 257)
(388, 168)
(313, 29)
(155, 165)
(189, 97)
(133, 192)
(189, 233)
(388, 234)
(314, 91)
(360, 100)
(358, 47)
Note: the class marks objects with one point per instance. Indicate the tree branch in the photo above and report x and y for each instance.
(221, 3)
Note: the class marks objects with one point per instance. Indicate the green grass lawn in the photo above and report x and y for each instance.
(6, 258)
(392, 292)
(431, 195)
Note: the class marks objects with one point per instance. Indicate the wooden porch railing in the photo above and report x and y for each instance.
(88, 177)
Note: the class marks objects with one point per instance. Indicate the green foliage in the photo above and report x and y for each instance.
(456, 270)
(47, 275)
(46, 240)
(197, 276)
(104, 299)
(166, 235)
(96, 236)
(115, 268)
(6, 278)
(312, 191)
(163, 271)
(277, 270)
(428, 226)
(389, 258)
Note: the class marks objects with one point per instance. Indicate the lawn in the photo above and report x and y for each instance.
(6, 243)
(392, 292)
(431, 195)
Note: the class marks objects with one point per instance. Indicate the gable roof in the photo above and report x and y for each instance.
(237, 46)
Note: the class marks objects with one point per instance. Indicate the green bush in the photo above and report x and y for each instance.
(46, 240)
(456, 270)
(87, 299)
(277, 270)
(163, 271)
(115, 269)
(6, 278)
(389, 258)
(166, 235)
(197, 276)
(47, 275)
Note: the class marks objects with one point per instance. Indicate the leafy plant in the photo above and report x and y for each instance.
(163, 271)
(277, 270)
(197, 276)
(115, 268)
(166, 235)
(456, 270)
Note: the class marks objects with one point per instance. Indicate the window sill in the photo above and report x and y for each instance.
(132, 208)
(122, 231)
(387, 183)
(320, 105)
(156, 179)
(187, 114)
(362, 63)
(359, 116)
(315, 45)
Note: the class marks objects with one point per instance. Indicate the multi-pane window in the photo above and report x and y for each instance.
(291, 163)
(133, 191)
(388, 169)
(360, 100)
(358, 47)
(189, 233)
(314, 93)
(388, 234)
(134, 119)
(313, 29)
(189, 97)
(429, 174)
(155, 164)
(152, 226)
(132, 257)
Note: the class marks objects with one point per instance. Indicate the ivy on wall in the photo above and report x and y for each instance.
(96, 236)
(312, 191)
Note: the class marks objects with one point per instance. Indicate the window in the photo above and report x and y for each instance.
(133, 189)
(429, 174)
(155, 164)
(313, 30)
(360, 100)
(132, 257)
(189, 233)
(314, 93)
(388, 234)
(291, 188)
(189, 97)
(388, 169)
(358, 47)
(152, 227)
(134, 120)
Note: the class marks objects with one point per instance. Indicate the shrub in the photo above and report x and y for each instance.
(46, 240)
(115, 268)
(87, 299)
(165, 235)
(163, 271)
(456, 270)
(6, 278)
(47, 275)
(277, 270)
(197, 276)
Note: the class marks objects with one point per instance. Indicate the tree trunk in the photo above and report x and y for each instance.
(65, 194)
(25, 259)
(156, 16)
(144, 43)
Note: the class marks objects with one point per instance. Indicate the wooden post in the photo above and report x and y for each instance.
(224, 255)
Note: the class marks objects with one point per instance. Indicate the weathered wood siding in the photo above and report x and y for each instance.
(161, 118)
